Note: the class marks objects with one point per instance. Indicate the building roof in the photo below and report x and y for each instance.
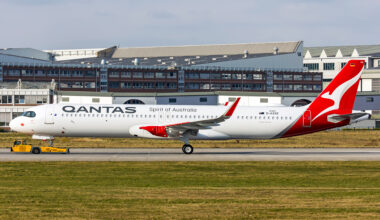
(27, 53)
(214, 93)
(188, 55)
(331, 51)
(206, 50)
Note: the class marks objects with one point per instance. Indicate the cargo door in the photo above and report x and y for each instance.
(49, 114)
(307, 119)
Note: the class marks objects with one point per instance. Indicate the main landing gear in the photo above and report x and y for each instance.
(187, 149)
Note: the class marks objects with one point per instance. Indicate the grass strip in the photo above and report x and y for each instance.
(190, 190)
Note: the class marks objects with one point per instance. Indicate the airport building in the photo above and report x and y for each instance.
(262, 74)
(330, 60)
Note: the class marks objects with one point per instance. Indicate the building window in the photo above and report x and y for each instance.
(89, 85)
(288, 77)
(226, 86)
(114, 75)
(172, 75)
(216, 76)
(19, 99)
(288, 87)
(148, 75)
(205, 86)
(329, 66)
(370, 99)
(257, 86)
(317, 87)
(6, 99)
(192, 85)
(215, 86)
(137, 75)
(149, 85)
(171, 85)
(137, 85)
(343, 64)
(317, 77)
(65, 99)
(203, 99)
(308, 77)
(264, 100)
(160, 85)
(204, 76)
(77, 73)
(236, 76)
(126, 75)
(160, 75)
(126, 85)
(77, 85)
(236, 86)
(226, 75)
(191, 75)
(312, 66)
(297, 87)
(277, 76)
(277, 86)
(95, 100)
(308, 87)
(258, 76)
(297, 77)
(172, 100)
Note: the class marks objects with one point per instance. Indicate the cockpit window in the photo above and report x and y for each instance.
(29, 114)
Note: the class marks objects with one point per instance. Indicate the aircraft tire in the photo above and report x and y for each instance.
(36, 150)
(187, 149)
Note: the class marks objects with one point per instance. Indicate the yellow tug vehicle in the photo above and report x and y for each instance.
(20, 146)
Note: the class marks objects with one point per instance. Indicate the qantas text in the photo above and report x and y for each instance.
(98, 109)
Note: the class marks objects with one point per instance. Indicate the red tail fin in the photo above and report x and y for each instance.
(337, 99)
(339, 96)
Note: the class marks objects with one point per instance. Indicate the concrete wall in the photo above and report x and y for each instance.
(361, 103)
(188, 100)
(146, 100)
(84, 99)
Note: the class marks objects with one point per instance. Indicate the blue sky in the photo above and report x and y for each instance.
(66, 24)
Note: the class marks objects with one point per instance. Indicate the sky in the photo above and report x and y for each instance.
(69, 24)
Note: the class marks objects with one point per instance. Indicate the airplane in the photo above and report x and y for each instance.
(331, 109)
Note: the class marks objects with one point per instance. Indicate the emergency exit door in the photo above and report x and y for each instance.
(49, 114)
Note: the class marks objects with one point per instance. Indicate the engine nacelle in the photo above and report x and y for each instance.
(147, 131)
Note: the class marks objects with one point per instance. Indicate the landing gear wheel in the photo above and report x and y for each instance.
(187, 149)
(36, 150)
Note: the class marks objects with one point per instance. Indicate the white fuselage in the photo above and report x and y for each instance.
(79, 120)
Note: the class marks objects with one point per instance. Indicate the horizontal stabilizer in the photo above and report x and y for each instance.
(353, 117)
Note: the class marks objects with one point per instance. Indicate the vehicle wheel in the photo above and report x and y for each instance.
(36, 150)
(187, 149)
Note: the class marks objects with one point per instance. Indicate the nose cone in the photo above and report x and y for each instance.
(14, 125)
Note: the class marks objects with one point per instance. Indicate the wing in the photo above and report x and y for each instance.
(206, 124)
(177, 130)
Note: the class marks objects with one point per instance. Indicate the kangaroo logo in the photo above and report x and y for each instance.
(337, 94)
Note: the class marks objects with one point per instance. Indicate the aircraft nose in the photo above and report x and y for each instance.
(12, 125)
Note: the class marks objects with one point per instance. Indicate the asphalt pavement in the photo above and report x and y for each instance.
(201, 154)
